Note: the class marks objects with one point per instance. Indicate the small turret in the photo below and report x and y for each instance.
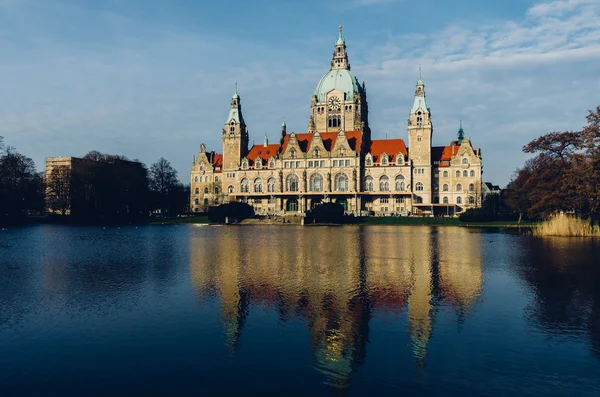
(266, 143)
(461, 134)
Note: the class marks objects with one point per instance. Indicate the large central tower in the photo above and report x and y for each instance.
(339, 101)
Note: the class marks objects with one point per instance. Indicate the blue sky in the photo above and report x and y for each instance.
(152, 78)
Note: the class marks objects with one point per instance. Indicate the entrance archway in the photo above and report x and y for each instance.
(292, 205)
(315, 203)
(343, 202)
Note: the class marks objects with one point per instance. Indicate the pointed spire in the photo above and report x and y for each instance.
(340, 57)
(461, 134)
(340, 39)
(283, 123)
(420, 80)
(236, 95)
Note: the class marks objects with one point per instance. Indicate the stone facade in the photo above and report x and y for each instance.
(337, 161)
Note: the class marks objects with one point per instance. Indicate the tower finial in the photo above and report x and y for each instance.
(236, 92)
(283, 123)
(420, 77)
(340, 39)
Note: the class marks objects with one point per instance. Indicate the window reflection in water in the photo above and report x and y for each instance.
(337, 279)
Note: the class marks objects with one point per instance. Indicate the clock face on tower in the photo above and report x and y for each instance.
(334, 103)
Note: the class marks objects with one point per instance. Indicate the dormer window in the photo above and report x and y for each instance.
(258, 164)
(465, 160)
(384, 159)
(271, 163)
(368, 160)
(245, 164)
(400, 159)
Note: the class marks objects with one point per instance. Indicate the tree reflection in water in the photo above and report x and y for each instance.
(336, 280)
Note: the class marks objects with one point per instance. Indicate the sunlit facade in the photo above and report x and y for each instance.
(336, 160)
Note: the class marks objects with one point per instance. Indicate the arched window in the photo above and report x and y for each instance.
(258, 163)
(445, 200)
(216, 178)
(271, 185)
(400, 159)
(458, 174)
(292, 153)
(197, 201)
(459, 188)
(459, 200)
(205, 190)
(445, 174)
(205, 202)
(471, 187)
(245, 185)
(384, 183)
(368, 160)
(197, 191)
(316, 153)
(316, 183)
(445, 187)
(419, 187)
(196, 179)
(472, 172)
(230, 188)
(291, 183)
(465, 160)
(341, 183)
(400, 183)
(258, 185)
(368, 183)
(271, 163)
(216, 190)
(384, 159)
(471, 200)
(245, 164)
(465, 173)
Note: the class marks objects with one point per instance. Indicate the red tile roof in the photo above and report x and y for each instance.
(389, 146)
(263, 152)
(443, 154)
(217, 162)
(305, 138)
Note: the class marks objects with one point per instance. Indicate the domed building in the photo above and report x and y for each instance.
(336, 160)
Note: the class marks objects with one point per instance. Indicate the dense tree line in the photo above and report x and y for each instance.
(105, 188)
(21, 188)
(564, 175)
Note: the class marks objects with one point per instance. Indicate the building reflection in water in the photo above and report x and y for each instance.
(337, 279)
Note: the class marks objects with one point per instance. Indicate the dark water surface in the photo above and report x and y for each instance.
(286, 311)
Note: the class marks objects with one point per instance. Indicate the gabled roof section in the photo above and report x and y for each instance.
(444, 154)
(329, 138)
(389, 146)
(263, 152)
(217, 162)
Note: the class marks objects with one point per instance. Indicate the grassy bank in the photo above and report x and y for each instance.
(566, 226)
(417, 221)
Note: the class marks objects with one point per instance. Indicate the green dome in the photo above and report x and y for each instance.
(342, 79)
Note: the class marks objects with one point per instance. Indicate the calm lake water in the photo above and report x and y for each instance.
(258, 310)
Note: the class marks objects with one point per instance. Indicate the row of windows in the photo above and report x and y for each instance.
(459, 200)
(197, 191)
(205, 179)
(465, 174)
(384, 184)
(291, 164)
(385, 160)
(459, 187)
(385, 200)
(197, 201)
(292, 184)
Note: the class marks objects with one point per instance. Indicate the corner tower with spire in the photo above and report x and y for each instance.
(420, 134)
(235, 135)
